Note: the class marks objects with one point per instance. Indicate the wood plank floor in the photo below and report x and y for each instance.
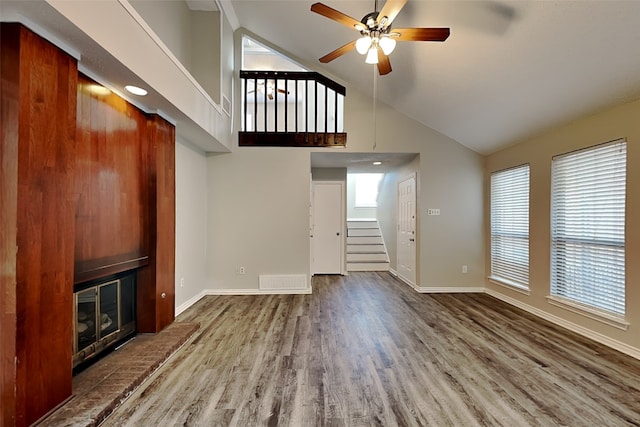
(366, 350)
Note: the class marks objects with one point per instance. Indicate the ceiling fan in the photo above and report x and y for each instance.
(377, 39)
(270, 89)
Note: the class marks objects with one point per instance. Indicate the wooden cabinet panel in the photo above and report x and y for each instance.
(45, 202)
(112, 212)
(9, 98)
(156, 283)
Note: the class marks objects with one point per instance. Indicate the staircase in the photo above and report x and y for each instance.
(365, 246)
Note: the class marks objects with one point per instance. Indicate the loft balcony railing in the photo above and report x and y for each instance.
(291, 109)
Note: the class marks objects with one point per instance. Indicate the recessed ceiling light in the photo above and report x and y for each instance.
(377, 163)
(135, 90)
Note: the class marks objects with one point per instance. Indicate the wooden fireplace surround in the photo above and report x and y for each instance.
(87, 186)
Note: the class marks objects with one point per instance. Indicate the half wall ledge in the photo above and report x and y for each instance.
(292, 139)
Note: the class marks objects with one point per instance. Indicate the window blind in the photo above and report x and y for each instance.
(510, 226)
(587, 226)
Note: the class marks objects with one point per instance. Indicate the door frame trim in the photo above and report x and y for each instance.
(343, 222)
(413, 175)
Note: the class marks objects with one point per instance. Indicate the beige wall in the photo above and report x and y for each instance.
(449, 178)
(259, 202)
(191, 223)
(258, 215)
(205, 44)
(171, 21)
(618, 122)
(194, 37)
(388, 207)
(227, 59)
(329, 174)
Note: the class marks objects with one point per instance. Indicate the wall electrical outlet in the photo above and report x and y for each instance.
(433, 211)
(182, 282)
(464, 269)
(240, 270)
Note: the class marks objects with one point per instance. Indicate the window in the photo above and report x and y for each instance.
(587, 227)
(510, 227)
(367, 185)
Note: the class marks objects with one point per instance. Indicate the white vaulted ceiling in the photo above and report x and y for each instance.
(509, 70)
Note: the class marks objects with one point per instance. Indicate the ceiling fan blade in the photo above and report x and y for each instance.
(331, 13)
(384, 65)
(421, 34)
(390, 10)
(338, 52)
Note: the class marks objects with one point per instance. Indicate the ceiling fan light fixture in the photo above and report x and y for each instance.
(376, 33)
(387, 44)
(372, 56)
(363, 44)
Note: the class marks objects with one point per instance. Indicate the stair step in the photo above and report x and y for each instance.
(358, 240)
(365, 248)
(368, 266)
(362, 224)
(363, 232)
(367, 257)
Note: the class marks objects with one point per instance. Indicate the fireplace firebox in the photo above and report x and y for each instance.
(104, 315)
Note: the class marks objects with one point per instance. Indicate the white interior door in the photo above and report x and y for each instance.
(327, 231)
(407, 230)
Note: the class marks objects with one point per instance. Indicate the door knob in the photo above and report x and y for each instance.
(338, 233)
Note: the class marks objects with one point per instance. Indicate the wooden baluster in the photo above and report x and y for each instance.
(266, 129)
(335, 112)
(315, 123)
(326, 112)
(255, 105)
(286, 107)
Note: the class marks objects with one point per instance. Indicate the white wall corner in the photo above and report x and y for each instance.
(191, 301)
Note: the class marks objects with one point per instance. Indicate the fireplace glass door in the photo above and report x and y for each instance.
(97, 313)
(86, 333)
(109, 313)
(105, 314)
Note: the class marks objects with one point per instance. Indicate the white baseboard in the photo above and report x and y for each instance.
(581, 330)
(449, 290)
(185, 305)
(258, 291)
(395, 274)
(191, 301)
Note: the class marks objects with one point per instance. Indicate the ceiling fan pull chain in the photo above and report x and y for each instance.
(375, 96)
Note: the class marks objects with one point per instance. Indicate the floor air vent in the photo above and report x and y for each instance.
(283, 282)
